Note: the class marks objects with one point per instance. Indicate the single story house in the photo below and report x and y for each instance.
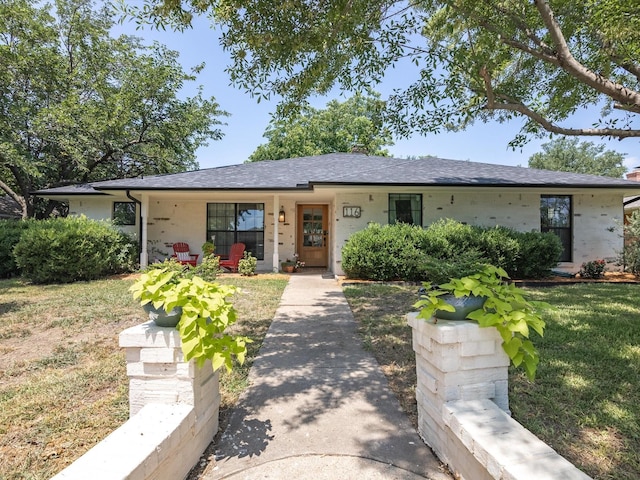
(310, 206)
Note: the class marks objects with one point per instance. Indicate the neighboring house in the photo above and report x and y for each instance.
(9, 208)
(312, 205)
(632, 203)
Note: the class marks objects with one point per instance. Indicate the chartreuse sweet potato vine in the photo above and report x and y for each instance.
(505, 308)
(206, 314)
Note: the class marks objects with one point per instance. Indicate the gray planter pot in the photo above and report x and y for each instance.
(162, 318)
(463, 305)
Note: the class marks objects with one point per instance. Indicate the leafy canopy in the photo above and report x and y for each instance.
(340, 127)
(537, 60)
(77, 105)
(570, 155)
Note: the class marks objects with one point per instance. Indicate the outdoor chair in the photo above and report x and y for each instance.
(235, 255)
(182, 254)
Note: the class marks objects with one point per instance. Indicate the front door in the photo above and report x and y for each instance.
(313, 232)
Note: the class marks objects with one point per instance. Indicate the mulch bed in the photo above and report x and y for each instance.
(609, 277)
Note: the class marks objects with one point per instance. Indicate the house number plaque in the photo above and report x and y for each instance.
(353, 212)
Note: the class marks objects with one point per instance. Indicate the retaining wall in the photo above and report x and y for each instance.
(463, 406)
(173, 413)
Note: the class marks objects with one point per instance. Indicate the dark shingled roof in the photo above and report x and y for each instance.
(351, 169)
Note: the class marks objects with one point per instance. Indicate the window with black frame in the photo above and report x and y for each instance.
(124, 213)
(229, 223)
(405, 208)
(555, 216)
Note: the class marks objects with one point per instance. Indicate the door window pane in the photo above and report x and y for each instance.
(312, 227)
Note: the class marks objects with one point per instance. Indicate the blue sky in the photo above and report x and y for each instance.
(248, 119)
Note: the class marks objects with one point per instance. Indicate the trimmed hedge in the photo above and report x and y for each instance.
(10, 232)
(446, 249)
(64, 250)
(385, 252)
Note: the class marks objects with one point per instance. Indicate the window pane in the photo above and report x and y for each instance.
(124, 213)
(405, 208)
(250, 216)
(232, 223)
(253, 242)
(555, 217)
(221, 216)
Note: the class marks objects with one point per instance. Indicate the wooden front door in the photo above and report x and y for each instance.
(313, 233)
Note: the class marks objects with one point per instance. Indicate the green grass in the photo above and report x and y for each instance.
(63, 383)
(585, 401)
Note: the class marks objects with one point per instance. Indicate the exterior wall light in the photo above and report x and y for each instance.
(281, 217)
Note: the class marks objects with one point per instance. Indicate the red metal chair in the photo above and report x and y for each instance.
(235, 255)
(182, 254)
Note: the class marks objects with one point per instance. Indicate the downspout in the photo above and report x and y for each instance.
(139, 203)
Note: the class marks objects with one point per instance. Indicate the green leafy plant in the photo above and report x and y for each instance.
(505, 308)
(209, 268)
(206, 314)
(593, 269)
(287, 263)
(208, 248)
(247, 264)
(169, 264)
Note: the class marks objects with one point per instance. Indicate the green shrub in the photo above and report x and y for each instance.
(447, 238)
(441, 270)
(247, 264)
(593, 269)
(65, 250)
(446, 249)
(10, 232)
(500, 247)
(209, 268)
(629, 258)
(539, 254)
(388, 252)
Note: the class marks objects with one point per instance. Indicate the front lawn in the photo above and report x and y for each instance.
(585, 401)
(63, 383)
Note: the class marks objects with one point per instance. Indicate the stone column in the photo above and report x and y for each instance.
(455, 360)
(158, 374)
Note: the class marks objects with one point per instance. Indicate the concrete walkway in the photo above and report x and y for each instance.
(318, 406)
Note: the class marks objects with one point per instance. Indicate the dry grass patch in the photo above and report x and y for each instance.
(63, 383)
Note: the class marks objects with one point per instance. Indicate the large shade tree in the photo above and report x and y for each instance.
(79, 105)
(538, 60)
(355, 124)
(571, 155)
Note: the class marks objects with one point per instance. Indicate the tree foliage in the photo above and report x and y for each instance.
(538, 60)
(570, 155)
(340, 127)
(77, 105)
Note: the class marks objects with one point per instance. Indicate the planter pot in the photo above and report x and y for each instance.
(288, 268)
(162, 318)
(463, 305)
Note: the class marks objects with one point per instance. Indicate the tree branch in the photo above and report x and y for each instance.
(512, 106)
(569, 64)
